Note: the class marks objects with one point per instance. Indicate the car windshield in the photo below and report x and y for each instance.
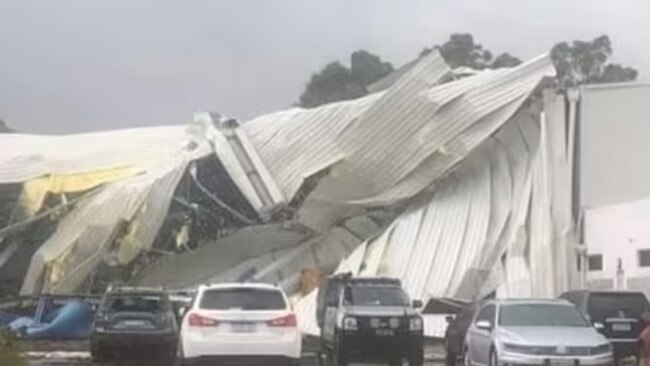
(540, 315)
(375, 296)
(134, 304)
(242, 298)
(616, 305)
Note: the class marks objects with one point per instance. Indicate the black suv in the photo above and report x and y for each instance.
(616, 314)
(132, 322)
(369, 319)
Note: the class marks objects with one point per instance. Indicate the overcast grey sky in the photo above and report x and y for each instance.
(81, 65)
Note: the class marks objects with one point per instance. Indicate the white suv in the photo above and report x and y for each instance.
(240, 321)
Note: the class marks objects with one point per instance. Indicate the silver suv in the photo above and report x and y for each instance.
(534, 332)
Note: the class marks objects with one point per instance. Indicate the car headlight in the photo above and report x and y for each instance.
(602, 349)
(522, 349)
(350, 324)
(416, 324)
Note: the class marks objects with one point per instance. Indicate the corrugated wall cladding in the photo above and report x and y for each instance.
(489, 226)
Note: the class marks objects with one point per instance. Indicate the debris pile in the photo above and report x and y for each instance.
(452, 181)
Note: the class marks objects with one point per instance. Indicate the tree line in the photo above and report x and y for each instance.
(577, 63)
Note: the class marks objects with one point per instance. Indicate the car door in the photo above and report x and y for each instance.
(479, 340)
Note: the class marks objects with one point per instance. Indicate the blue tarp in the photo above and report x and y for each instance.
(73, 320)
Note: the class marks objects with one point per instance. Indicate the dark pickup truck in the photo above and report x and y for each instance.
(369, 319)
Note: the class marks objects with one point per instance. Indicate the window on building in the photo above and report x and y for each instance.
(595, 262)
(644, 258)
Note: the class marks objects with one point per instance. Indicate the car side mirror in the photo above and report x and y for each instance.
(449, 319)
(181, 311)
(484, 325)
(418, 304)
(599, 325)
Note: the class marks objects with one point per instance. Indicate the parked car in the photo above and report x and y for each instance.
(132, 322)
(240, 322)
(369, 319)
(454, 341)
(534, 332)
(615, 314)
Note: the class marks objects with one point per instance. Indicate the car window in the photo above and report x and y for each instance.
(242, 298)
(487, 313)
(604, 305)
(375, 296)
(135, 304)
(540, 315)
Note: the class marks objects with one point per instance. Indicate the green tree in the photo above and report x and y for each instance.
(578, 62)
(462, 51)
(367, 68)
(505, 60)
(588, 62)
(336, 82)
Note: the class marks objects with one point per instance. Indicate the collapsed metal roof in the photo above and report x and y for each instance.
(452, 185)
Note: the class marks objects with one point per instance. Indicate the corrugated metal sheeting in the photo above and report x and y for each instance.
(500, 222)
(477, 178)
(157, 158)
(391, 145)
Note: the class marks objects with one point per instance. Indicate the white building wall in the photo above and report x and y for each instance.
(619, 232)
(614, 144)
(614, 180)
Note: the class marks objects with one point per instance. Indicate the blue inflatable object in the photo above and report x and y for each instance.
(21, 323)
(72, 321)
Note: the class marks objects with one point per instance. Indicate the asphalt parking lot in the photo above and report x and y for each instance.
(306, 361)
(433, 353)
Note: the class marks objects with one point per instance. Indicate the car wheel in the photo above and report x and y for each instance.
(494, 360)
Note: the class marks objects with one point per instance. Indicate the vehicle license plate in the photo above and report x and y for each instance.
(562, 363)
(134, 323)
(243, 327)
(621, 327)
(385, 332)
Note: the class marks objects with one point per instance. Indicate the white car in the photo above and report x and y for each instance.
(246, 321)
(534, 332)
